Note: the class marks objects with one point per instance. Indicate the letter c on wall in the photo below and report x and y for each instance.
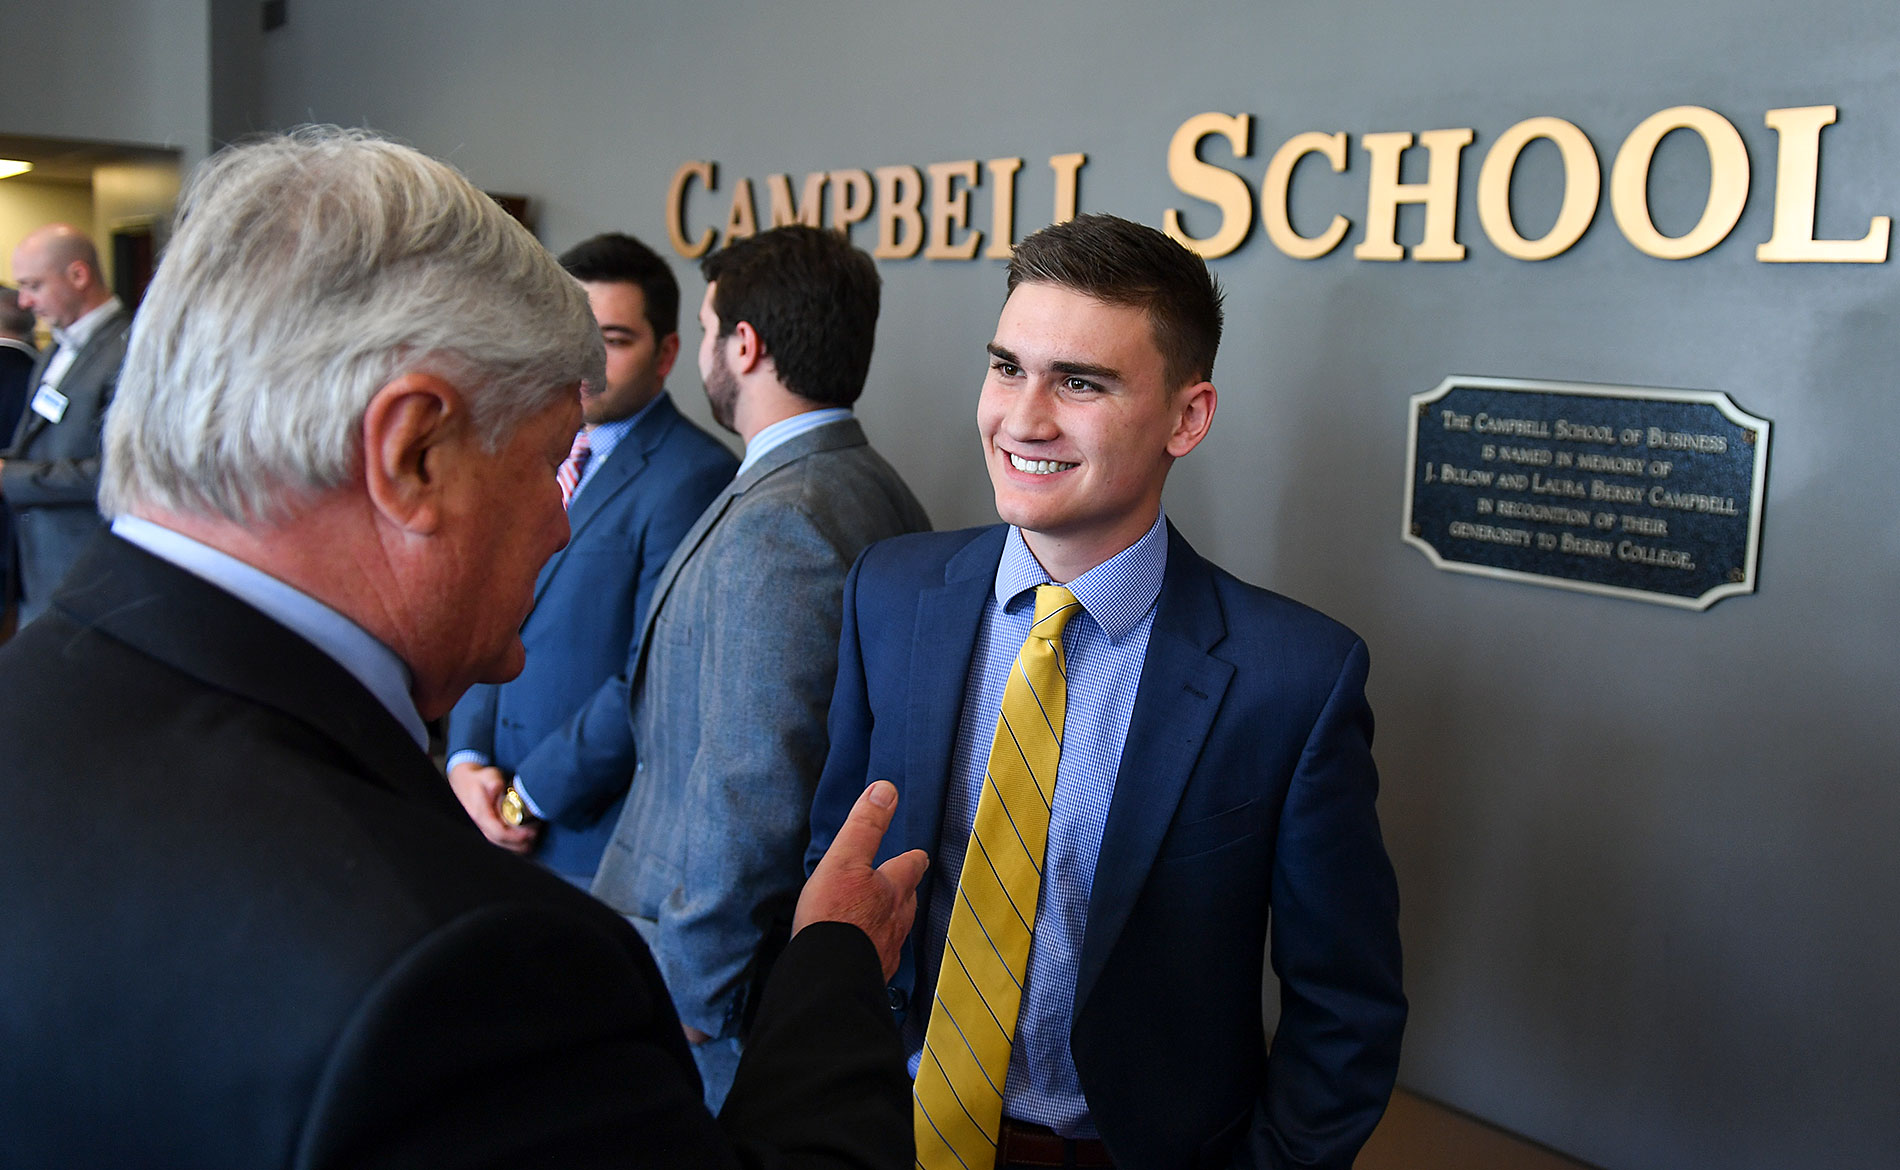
(676, 209)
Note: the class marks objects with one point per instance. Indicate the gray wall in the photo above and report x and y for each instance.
(125, 71)
(1648, 857)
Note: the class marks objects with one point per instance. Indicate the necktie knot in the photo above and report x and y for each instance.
(1055, 605)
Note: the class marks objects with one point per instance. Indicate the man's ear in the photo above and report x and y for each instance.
(749, 351)
(80, 275)
(413, 430)
(1194, 414)
(669, 352)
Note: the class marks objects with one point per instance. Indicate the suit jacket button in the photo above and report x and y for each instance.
(898, 998)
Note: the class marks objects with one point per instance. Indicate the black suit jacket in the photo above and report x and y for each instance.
(251, 927)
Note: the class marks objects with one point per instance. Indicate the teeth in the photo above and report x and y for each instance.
(1038, 466)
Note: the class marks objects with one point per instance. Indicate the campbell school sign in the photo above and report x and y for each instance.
(939, 216)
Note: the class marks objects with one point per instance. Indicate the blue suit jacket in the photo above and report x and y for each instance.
(563, 722)
(1244, 807)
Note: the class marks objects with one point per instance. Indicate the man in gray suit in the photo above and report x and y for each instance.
(731, 677)
(49, 476)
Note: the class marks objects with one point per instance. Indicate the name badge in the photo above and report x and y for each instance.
(49, 404)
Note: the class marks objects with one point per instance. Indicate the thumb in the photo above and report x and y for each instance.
(863, 830)
(905, 870)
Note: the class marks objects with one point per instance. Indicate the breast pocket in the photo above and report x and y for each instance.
(1203, 835)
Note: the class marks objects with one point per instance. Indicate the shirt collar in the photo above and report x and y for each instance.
(602, 440)
(787, 429)
(1116, 593)
(80, 332)
(373, 664)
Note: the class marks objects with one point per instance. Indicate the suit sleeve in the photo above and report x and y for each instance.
(1335, 948)
(581, 767)
(586, 1067)
(472, 721)
(849, 725)
(768, 658)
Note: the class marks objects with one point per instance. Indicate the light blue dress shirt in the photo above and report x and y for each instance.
(1105, 647)
(787, 429)
(602, 440)
(370, 662)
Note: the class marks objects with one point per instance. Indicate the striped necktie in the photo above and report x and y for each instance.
(959, 1090)
(569, 475)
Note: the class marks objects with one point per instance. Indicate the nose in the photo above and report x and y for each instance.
(1030, 415)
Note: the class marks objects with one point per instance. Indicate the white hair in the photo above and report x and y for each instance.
(306, 272)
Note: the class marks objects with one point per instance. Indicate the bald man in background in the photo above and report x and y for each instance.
(49, 475)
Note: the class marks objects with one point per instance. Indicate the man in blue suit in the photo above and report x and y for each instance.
(1215, 786)
(637, 477)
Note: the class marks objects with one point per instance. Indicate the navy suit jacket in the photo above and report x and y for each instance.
(563, 723)
(1243, 809)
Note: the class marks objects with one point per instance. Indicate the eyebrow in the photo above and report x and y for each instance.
(620, 330)
(1071, 368)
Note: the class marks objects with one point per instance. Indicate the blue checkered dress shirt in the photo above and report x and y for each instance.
(1105, 647)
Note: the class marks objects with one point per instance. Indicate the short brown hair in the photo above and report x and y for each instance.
(813, 300)
(1120, 262)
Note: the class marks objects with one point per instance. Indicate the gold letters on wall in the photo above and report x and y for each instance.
(905, 227)
(1797, 177)
(933, 211)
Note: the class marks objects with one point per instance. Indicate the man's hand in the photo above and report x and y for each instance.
(479, 787)
(882, 902)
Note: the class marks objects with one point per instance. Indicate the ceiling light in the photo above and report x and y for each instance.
(10, 167)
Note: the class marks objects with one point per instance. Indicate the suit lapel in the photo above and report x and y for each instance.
(197, 628)
(624, 464)
(1182, 684)
(32, 422)
(942, 645)
(842, 433)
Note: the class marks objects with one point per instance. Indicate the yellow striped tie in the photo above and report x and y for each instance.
(959, 1091)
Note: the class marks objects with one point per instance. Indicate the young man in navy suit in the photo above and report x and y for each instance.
(637, 477)
(1215, 786)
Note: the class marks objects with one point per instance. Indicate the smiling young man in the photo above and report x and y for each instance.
(1127, 784)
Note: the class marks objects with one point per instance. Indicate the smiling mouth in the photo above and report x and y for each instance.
(1038, 466)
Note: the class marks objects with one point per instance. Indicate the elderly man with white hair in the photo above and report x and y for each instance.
(250, 925)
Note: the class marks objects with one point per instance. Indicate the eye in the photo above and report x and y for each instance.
(1079, 385)
(1004, 368)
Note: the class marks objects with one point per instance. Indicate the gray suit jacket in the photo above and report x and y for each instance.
(731, 681)
(51, 480)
